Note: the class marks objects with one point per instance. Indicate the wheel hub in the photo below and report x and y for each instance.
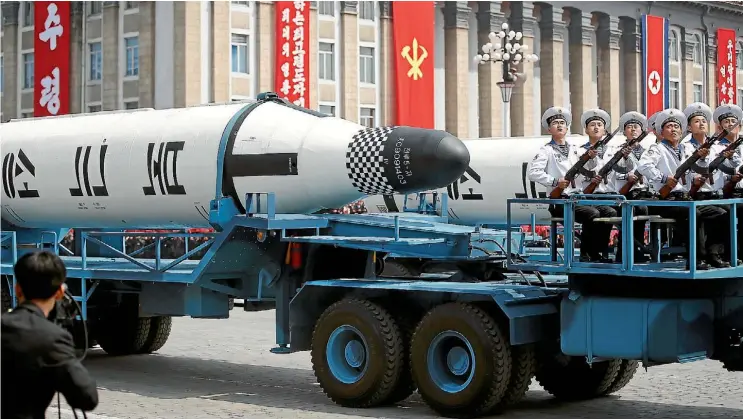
(458, 360)
(355, 354)
(345, 354)
(451, 361)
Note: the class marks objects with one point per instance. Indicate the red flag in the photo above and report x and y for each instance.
(51, 58)
(293, 52)
(413, 35)
(726, 71)
(655, 63)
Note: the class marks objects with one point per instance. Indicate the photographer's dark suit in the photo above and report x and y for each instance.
(38, 359)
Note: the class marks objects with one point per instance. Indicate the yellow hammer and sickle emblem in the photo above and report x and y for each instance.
(415, 61)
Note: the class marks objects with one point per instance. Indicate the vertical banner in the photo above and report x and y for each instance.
(413, 35)
(726, 71)
(291, 80)
(51, 58)
(655, 63)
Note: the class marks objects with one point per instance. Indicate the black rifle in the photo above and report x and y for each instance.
(609, 166)
(708, 171)
(685, 166)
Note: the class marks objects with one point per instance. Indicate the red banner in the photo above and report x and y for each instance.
(413, 35)
(292, 51)
(655, 63)
(726, 71)
(51, 58)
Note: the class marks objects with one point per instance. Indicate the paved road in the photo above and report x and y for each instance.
(222, 369)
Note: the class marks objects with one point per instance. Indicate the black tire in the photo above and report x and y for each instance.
(383, 360)
(231, 303)
(160, 327)
(572, 378)
(484, 386)
(123, 332)
(626, 371)
(7, 300)
(523, 368)
(393, 268)
(405, 386)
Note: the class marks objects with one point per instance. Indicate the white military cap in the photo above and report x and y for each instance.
(727, 111)
(555, 112)
(670, 115)
(595, 114)
(698, 109)
(651, 120)
(634, 118)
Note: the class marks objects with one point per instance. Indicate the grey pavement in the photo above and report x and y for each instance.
(223, 369)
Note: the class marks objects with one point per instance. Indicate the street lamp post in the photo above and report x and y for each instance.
(504, 48)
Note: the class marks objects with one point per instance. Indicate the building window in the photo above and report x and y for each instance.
(697, 50)
(27, 114)
(366, 10)
(697, 92)
(740, 97)
(239, 53)
(326, 8)
(241, 3)
(366, 117)
(28, 13)
(94, 8)
(327, 110)
(28, 70)
(673, 97)
(94, 108)
(131, 5)
(366, 65)
(326, 61)
(131, 46)
(673, 46)
(132, 104)
(2, 69)
(95, 61)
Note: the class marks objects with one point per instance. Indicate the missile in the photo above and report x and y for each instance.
(497, 171)
(151, 168)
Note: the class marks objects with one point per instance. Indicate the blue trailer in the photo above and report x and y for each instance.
(469, 342)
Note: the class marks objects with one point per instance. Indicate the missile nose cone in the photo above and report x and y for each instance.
(388, 160)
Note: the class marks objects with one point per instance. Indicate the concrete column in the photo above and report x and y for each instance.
(349, 103)
(456, 67)
(11, 55)
(147, 54)
(631, 41)
(582, 94)
(112, 65)
(187, 53)
(608, 37)
(489, 19)
(551, 55)
(220, 50)
(387, 78)
(266, 44)
(687, 77)
(711, 83)
(313, 52)
(522, 101)
(78, 53)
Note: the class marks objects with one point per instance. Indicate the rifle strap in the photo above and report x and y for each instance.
(590, 174)
(702, 170)
(726, 169)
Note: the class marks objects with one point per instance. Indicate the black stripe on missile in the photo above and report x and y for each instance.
(389, 202)
(270, 164)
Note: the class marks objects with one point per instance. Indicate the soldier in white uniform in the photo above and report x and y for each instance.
(651, 126)
(549, 167)
(659, 163)
(730, 117)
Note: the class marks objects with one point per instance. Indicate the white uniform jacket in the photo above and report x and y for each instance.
(625, 167)
(717, 183)
(660, 162)
(553, 161)
(602, 158)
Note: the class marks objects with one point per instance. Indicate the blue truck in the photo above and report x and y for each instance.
(469, 338)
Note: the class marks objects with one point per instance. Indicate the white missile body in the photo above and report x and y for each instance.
(162, 168)
(497, 172)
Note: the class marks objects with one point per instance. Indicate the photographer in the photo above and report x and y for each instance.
(38, 356)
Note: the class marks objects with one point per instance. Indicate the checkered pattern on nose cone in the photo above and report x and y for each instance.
(364, 161)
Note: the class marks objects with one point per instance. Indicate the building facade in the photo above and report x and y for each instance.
(128, 54)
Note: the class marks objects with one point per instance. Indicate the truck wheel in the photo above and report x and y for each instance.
(231, 303)
(405, 386)
(461, 361)
(160, 327)
(357, 353)
(572, 378)
(523, 367)
(122, 333)
(626, 372)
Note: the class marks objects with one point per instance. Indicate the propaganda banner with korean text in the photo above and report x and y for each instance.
(292, 52)
(726, 69)
(655, 63)
(413, 37)
(51, 58)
